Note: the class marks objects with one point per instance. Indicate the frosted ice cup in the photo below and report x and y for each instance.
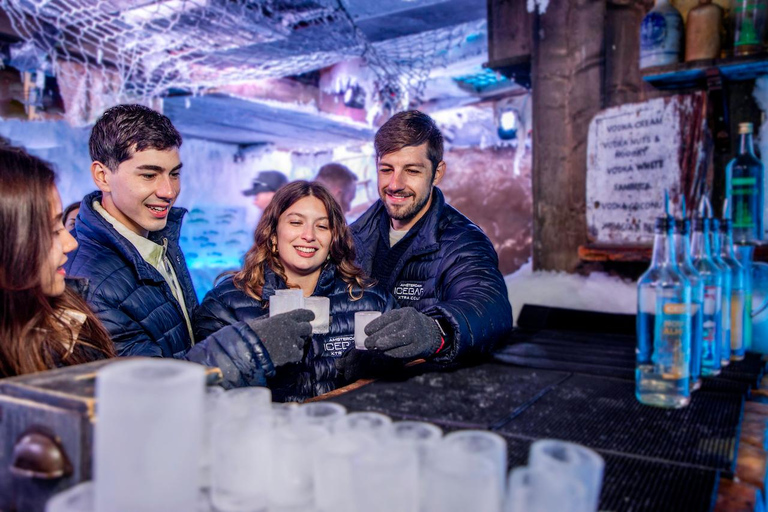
(332, 470)
(570, 462)
(292, 487)
(150, 422)
(420, 438)
(532, 490)
(485, 444)
(320, 306)
(242, 450)
(457, 480)
(363, 318)
(385, 478)
(284, 301)
(374, 424)
(324, 414)
(210, 413)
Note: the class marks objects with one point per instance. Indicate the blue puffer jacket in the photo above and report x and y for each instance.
(137, 307)
(450, 272)
(316, 374)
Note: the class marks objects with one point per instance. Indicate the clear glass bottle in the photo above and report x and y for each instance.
(744, 190)
(684, 263)
(740, 315)
(713, 288)
(661, 34)
(662, 374)
(725, 309)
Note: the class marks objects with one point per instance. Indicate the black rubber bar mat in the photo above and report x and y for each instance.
(750, 369)
(634, 484)
(544, 317)
(475, 397)
(603, 414)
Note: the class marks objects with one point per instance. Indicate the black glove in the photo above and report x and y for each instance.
(366, 364)
(283, 335)
(404, 333)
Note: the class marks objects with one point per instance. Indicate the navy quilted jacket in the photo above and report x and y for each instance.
(137, 307)
(316, 374)
(450, 272)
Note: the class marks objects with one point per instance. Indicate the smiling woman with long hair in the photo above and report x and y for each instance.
(302, 241)
(43, 322)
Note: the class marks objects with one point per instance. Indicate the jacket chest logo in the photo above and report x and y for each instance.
(408, 291)
(335, 346)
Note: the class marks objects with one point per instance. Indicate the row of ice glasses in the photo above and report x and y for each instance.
(316, 457)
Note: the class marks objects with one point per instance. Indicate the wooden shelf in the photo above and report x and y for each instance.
(605, 252)
(637, 253)
(693, 74)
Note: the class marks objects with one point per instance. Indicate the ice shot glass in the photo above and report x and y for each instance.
(320, 306)
(363, 318)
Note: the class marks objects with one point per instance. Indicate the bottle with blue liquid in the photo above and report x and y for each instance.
(684, 263)
(662, 374)
(740, 315)
(701, 254)
(725, 309)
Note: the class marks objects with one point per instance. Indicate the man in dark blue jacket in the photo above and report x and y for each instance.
(128, 232)
(441, 268)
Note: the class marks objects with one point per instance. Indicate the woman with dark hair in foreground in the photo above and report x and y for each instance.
(302, 242)
(43, 322)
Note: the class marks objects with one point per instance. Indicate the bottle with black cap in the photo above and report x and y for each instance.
(725, 305)
(662, 374)
(701, 254)
(684, 263)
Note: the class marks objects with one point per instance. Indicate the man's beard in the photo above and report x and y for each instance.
(406, 213)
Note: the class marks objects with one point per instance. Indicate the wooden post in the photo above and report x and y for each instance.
(568, 90)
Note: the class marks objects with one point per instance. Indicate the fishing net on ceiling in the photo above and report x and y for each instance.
(103, 52)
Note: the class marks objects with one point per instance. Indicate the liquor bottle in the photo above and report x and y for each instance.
(661, 34)
(713, 288)
(744, 190)
(740, 315)
(725, 309)
(662, 374)
(749, 18)
(684, 263)
(703, 31)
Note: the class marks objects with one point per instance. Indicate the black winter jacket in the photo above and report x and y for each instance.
(316, 374)
(137, 307)
(450, 272)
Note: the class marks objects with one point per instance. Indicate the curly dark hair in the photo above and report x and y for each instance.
(260, 256)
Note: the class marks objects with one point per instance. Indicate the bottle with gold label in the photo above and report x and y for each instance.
(661, 35)
(662, 372)
(703, 31)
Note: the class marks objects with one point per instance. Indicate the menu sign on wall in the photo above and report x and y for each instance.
(634, 155)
